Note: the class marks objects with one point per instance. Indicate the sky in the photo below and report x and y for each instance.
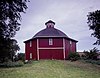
(70, 16)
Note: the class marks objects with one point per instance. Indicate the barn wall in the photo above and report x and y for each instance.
(54, 51)
(57, 42)
(27, 50)
(32, 49)
(47, 51)
(67, 48)
(51, 54)
(73, 47)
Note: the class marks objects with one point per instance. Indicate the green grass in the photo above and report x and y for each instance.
(52, 69)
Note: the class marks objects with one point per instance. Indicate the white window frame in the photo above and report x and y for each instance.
(30, 55)
(50, 41)
(30, 43)
(70, 42)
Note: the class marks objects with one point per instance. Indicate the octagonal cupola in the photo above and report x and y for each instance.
(50, 24)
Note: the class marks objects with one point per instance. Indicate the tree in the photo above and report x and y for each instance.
(92, 54)
(73, 56)
(10, 17)
(13, 48)
(94, 24)
(9, 50)
(21, 56)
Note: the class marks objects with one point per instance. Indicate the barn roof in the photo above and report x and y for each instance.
(50, 32)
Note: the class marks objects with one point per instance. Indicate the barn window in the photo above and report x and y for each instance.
(70, 42)
(30, 55)
(50, 41)
(30, 43)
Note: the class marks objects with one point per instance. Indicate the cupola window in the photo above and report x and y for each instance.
(50, 24)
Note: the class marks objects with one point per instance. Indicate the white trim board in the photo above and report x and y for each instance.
(52, 48)
(37, 49)
(64, 47)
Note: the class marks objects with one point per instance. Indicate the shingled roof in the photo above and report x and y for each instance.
(50, 32)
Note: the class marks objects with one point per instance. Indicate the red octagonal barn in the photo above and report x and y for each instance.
(49, 43)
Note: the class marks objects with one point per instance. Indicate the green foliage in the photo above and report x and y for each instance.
(92, 54)
(10, 16)
(12, 64)
(93, 61)
(21, 56)
(73, 56)
(8, 50)
(94, 24)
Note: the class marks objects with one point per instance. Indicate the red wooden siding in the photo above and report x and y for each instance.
(67, 48)
(51, 54)
(73, 47)
(32, 49)
(47, 51)
(56, 42)
(27, 50)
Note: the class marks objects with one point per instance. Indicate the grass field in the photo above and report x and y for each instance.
(52, 69)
